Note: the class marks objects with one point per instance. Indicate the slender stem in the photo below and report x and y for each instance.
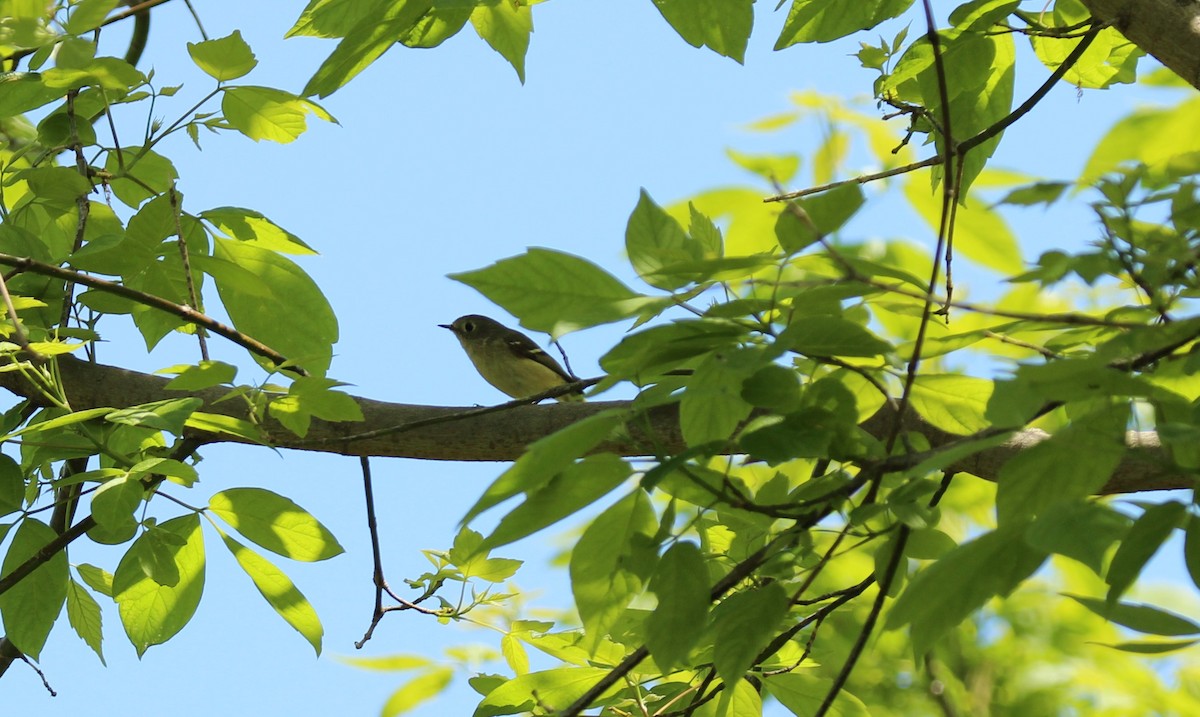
(82, 203)
(861, 179)
(154, 302)
(193, 297)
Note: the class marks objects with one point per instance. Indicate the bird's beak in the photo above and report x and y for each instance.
(446, 326)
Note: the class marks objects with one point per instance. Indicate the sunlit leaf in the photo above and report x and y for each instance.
(275, 523)
(153, 613)
(279, 591)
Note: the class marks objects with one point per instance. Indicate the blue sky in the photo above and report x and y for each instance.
(444, 162)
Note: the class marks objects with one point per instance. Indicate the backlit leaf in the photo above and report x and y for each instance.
(275, 523)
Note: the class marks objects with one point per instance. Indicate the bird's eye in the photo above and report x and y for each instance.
(468, 327)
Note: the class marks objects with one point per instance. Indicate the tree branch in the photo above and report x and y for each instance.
(186, 313)
(504, 435)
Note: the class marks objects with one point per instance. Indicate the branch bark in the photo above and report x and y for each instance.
(1169, 30)
(504, 435)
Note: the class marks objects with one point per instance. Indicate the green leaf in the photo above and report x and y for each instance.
(744, 623)
(279, 591)
(803, 693)
(980, 233)
(1151, 648)
(779, 168)
(1073, 463)
(370, 37)
(114, 501)
(611, 564)
(83, 612)
(640, 356)
(86, 16)
(205, 374)
(12, 486)
(108, 73)
(773, 387)
(826, 213)
(654, 241)
(146, 174)
(558, 687)
(441, 22)
(680, 583)
(61, 185)
(506, 27)
(334, 18)
(947, 591)
(981, 14)
(58, 422)
(271, 298)
(953, 403)
(1079, 529)
(152, 613)
(155, 553)
(425, 686)
(739, 699)
(1191, 548)
(514, 654)
(96, 578)
(226, 58)
(928, 544)
(24, 92)
(251, 226)
(577, 486)
(268, 113)
(168, 415)
(721, 25)
(31, 607)
(979, 76)
(1109, 60)
(1140, 617)
(712, 406)
(546, 458)
(822, 21)
(555, 292)
(386, 663)
(219, 425)
(1152, 137)
(1141, 542)
(1036, 193)
(831, 336)
(313, 396)
(274, 522)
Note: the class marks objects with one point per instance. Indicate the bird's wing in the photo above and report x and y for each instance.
(524, 346)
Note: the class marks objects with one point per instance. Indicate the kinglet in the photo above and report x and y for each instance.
(509, 360)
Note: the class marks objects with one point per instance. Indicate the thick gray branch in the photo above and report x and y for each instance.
(1167, 29)
(503, 436)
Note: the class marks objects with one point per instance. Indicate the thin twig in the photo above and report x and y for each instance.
(193, 297)
(561, 390)
(861, 179)
(949, 197)
(82, 203)
(155, 302)
(18, 334)
(134, 10)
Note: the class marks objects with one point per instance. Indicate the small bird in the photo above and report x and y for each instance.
(510, 360)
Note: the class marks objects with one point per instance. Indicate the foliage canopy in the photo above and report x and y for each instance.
(789, 510)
